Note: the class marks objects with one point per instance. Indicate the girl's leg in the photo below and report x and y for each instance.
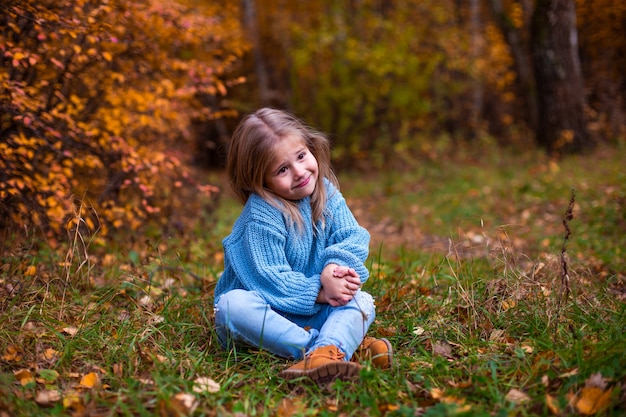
(346, 326)
(243, 317)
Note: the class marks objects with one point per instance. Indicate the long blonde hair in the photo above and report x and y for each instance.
(251, 151)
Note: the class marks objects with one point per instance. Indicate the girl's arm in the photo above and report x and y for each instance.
(347, 242)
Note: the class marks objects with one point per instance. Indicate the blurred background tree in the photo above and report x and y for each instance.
(386, 77)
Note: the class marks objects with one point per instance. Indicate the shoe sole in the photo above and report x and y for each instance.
(342, 370)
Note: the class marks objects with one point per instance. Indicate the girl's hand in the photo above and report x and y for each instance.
(339, 284)
(348, 273)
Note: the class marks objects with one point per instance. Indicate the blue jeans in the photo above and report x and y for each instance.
(244, 318)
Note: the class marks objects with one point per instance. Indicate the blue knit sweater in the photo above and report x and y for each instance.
(265, 254)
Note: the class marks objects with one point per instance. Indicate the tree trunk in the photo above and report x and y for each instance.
(476, 51)
(561, 103)
(525, 81)
(250, 23)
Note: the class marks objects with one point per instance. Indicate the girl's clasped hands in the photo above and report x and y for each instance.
(339, 284)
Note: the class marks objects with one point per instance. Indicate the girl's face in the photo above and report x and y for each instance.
(293, 172)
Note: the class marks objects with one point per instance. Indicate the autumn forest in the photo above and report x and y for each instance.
(480, 142)
(113, 102)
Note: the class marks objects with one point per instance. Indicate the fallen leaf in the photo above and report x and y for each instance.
(516, 396)
(12, 353)
(442, 348)
(527, 348)
(25, 376)
(289, 407)
(436, 393)
(331, 405)
(592, 399)
(508, 304)
(553, 404)
(118, 370)
(70, 330)
(462, 385)
(90, 380)
(596, 380)
(145, 301)
(388, 331)
(204, 384)
(72, 400)
(496, 335)
(50, 354)
(180, 405)
(385, 408)
(47, 398)
(418, 331)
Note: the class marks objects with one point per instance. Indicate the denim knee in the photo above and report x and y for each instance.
(365, 302)
(231, 307)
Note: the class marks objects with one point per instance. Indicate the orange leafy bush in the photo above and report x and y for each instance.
(97, 100)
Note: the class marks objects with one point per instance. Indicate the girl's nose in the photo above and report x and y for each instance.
(298, 171)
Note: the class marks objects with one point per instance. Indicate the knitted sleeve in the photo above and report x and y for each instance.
(347, 241)
(261, 265)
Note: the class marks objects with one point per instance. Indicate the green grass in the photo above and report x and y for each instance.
(465, 266)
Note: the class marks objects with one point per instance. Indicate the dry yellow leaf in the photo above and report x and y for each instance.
(553, 404)
(592, 399)
(71, 399)
(25, 376)
(50, 354)
(384, 408)
(30, 271)
(436, 393)
(12, 353)
(90, 380)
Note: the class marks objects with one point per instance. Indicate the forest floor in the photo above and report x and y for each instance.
(497, 303)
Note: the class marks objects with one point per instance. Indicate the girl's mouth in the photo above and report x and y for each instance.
(304, 183)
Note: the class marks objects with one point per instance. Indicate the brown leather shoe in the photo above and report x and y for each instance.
(324, 364)
(378, 351)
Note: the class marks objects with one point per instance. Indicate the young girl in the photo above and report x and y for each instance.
(294, 262)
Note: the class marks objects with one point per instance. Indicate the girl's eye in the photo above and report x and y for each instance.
(282, 170)
(302, 155)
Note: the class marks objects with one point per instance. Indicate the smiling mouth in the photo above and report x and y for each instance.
(304, 183)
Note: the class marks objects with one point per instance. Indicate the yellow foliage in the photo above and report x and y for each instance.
(101, 95)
